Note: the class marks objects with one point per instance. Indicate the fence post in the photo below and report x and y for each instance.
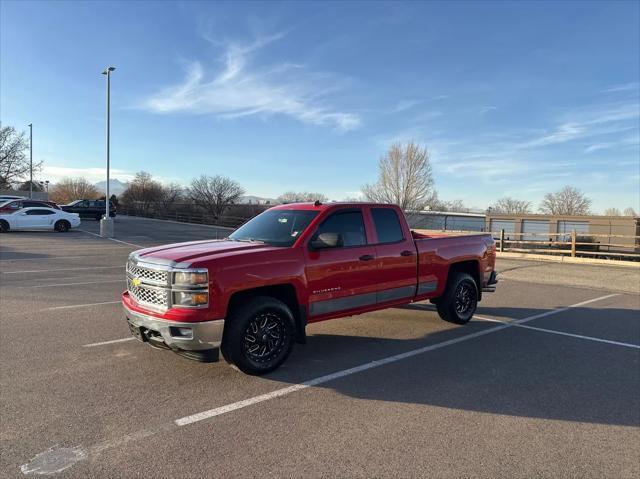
(502, 241)
(573, 243)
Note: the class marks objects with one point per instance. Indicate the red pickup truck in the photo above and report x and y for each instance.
(252, 294)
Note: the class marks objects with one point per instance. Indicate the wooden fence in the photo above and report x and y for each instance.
(605, 245)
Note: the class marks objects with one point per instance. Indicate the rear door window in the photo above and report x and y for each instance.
(387, 223)
(349, 224)
(39, 212)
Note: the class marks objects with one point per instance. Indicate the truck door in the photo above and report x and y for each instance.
(395, 256)
(340, 267)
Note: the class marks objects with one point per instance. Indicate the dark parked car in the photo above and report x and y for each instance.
(89, 208)
(11, 206)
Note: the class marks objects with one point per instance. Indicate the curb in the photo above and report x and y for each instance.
(569, 259)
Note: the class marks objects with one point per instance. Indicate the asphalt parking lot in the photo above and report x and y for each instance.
(545, 383)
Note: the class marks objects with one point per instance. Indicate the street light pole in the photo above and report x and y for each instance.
(106, 224)
(30, 160)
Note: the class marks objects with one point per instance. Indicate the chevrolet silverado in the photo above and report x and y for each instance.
(252, 294)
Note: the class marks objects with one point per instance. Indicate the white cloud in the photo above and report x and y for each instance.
(239, 90)
(590, 122)
(487, 109)
(632, 86)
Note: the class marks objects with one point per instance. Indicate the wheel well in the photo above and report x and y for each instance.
(471, 267)
(283, 292)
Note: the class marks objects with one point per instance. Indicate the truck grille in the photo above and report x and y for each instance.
(150, 275)
(158, 297)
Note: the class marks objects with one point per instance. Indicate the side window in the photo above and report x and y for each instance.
(348, 224)
(38, 212)
(82, 204)
(16, 205)
(387, 225)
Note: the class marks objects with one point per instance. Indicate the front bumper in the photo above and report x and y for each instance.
(199, 341)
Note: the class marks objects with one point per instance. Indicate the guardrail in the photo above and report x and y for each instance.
(572, 244)
(187, 217)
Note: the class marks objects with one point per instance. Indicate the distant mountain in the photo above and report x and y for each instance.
(256, 200)
(116, 187)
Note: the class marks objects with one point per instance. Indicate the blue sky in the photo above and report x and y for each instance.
(511, 99)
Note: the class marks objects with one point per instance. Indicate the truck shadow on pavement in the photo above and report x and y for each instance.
(512, 372)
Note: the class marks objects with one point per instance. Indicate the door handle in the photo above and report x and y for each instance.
(406, 253)
(366, 257)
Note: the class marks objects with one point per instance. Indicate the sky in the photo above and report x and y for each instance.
(511, 98)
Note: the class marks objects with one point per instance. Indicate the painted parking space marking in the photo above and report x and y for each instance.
(560, 333)
(72, 306)
(56, 285)
(112, 239)
(62, 269)
(104, 343)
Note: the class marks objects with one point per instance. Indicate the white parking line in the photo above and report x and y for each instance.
(61, 269)
(183, 421)
(45, 258)
(56, 285)
(79, 305)
(112, 239)
(113, 341)
(561, 333)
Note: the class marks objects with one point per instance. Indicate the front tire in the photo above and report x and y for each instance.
(4, 226)
(62, 226)
(460, 299)
(259, 335)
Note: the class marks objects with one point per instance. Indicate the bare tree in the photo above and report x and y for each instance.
(301, 197)
(69, 189)
(142, 192)
(14, 163)
(35, 186)
(404, 178)
(169, 194)
(630, 212)
(511, 206)
(214, 193)
(612, 212)
(567, 201)
(454, 206)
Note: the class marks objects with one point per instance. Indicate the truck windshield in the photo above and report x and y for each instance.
(275, 227)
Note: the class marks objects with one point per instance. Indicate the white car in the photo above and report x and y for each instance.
(39, 218)
(4, 198)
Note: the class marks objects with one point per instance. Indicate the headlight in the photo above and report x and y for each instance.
(190, 298)
(191, 278)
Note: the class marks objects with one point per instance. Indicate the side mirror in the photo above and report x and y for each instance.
(326, 240)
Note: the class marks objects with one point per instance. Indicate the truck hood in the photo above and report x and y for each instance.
(184, 254)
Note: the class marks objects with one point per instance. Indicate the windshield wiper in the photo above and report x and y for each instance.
(248, 240)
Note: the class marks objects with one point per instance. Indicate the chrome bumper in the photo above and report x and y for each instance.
(194, 340)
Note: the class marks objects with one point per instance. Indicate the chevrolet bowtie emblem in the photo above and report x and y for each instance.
(136, 281)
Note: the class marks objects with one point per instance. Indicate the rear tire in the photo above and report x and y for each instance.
(460, 299)
(259, 335)
(98, 217)
(62, 226)
(4, 226)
